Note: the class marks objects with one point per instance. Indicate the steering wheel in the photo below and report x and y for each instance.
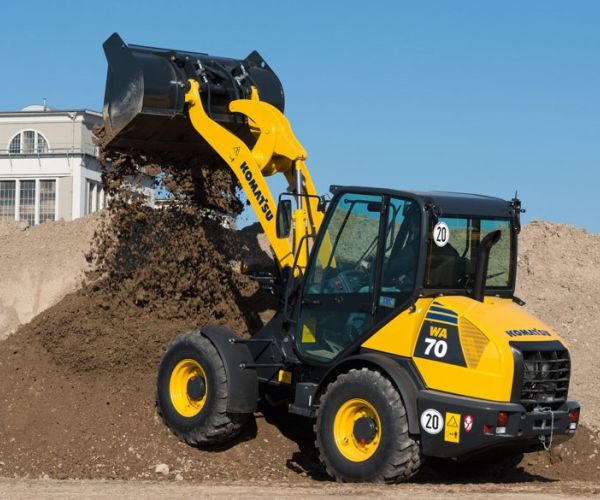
(348, 281)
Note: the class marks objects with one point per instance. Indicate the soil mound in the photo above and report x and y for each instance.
(174, 279)
(65, 423)
(155, 272)
(78, 381)
(559, 279)
(39, 266)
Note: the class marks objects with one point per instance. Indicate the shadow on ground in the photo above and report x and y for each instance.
(434, 471)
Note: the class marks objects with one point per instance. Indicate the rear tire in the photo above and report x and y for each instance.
(362, 430)
(192, 392)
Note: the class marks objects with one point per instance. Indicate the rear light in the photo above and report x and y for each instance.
(501, 422)
(573, 418)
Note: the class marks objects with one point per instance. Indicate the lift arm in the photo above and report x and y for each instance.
(276, 150)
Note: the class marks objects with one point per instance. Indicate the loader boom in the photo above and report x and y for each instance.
(276, 150)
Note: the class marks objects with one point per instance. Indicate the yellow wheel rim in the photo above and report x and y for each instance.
(184, 403)
(351, 447)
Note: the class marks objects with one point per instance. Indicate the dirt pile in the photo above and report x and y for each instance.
(156, 272)
(39, 266)
(78, 382)
(65, 423)
(559, 279)
(102, 423)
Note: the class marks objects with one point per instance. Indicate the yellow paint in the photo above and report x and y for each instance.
(276, 150)
(398, 337)
(308, 330)
(183, 372)
(343, 430)
(452, 427)
(485, 343)
(306, 220)
(284, 377)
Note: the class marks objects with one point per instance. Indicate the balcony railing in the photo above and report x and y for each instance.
(54, 152)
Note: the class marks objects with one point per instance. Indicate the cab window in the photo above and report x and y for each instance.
(346, 257)
(452, 253)
(400, 259)
(337, 301)
(340, 300)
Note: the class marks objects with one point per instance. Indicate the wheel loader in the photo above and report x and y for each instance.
(398, 333)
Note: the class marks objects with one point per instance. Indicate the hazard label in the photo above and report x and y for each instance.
(235, 152)
(452, 428)
(468, 423)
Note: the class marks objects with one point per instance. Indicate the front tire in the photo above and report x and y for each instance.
(362, 430)
(192, 392)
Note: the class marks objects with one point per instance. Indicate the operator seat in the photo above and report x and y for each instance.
(405, 252)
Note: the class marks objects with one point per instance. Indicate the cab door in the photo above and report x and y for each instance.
(337, 303)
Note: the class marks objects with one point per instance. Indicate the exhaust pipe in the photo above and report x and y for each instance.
(144, 100)
(483, 258)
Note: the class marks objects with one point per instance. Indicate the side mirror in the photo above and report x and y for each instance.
(284, 218)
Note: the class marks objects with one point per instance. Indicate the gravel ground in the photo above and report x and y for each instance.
(115, 490)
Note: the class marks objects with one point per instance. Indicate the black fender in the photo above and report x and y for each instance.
(400, 371)
(242, 383)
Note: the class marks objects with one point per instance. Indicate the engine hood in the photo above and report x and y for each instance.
(501, 320)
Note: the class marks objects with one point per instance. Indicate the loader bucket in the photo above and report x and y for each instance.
(144, 100)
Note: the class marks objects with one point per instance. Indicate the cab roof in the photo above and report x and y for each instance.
(446, 202)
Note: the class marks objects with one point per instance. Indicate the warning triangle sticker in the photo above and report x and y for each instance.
(452, 422)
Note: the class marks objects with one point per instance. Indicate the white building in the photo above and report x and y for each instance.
(48, 165)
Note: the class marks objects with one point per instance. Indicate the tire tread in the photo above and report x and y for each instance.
(220, 426)
(405, 461)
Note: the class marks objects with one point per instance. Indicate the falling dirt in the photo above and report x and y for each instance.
(78, 381)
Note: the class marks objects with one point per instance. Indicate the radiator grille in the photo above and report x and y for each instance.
(545, 378)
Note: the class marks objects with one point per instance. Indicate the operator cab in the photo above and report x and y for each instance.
(379, 250)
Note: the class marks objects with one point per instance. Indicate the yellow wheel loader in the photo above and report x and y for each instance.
(399, 333)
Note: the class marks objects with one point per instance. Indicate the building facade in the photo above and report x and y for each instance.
(48, 165)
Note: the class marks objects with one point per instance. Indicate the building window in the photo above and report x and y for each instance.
(30, 200)
(15, 145)
(95, 197)
(28, 142)
(42, 145)
(7, 200)
(47, 200)
(27, 202)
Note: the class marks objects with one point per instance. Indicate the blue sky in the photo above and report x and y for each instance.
(477, 96)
